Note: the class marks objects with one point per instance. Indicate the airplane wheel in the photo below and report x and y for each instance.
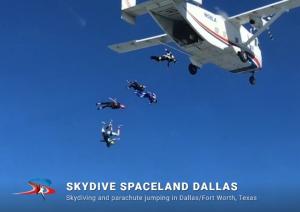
(252, 80)
(193, 69)
(243, 56)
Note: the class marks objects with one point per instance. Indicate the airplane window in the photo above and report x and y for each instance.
(237, 40)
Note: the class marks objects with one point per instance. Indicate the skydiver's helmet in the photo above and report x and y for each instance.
(108, 127)
(122, 106)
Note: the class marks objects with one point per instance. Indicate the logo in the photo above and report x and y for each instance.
(210, 17)
(39, 187)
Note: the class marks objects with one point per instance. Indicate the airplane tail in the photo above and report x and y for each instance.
(127, 15)
(127, 4)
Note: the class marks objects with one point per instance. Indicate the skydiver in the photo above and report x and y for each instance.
(136, 86)
(113, 104)
(109, 136)
(148, 95)
(166, 57)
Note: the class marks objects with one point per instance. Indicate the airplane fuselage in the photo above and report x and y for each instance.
(209, 38)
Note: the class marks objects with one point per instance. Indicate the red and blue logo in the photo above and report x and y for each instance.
(39, 187)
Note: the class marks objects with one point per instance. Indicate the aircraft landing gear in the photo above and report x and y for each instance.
(193, 69)
(252, 79)
(243, 56)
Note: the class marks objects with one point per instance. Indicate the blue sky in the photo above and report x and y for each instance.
(55, 65)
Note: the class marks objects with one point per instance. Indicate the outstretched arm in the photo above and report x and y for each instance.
(114, 100)
(117, 133)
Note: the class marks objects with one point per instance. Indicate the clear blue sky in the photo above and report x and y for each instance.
(55, 65)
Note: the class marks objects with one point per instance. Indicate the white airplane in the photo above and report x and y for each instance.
(204, 36)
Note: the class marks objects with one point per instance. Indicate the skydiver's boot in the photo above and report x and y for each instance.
(110, 142)
(156, 58)
(98, 106)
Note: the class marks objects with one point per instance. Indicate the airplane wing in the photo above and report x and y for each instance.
(262, 18)
(268, 10)
(140, 44)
